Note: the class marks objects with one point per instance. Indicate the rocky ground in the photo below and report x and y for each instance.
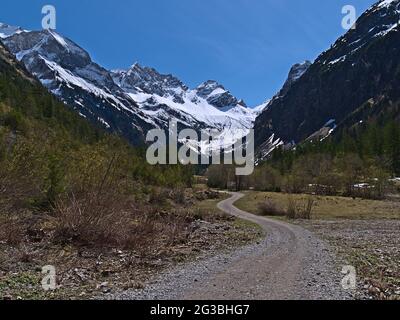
(84, 273)
(372, 247)
(289, 263)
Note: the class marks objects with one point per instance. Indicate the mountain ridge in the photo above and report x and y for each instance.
(129, 102)
(359, 68)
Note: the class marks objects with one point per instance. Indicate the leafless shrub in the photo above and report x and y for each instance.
(178, 195)
(297, 210)
(269, 208)
(159, 196)
(93, 220)
(11, 230)
(113, 221)
(306, 212)
(291, 212)
(177, 230)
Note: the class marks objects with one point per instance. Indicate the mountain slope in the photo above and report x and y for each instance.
(129, 102)
(68, 72)
(47, 151)
(357, 78)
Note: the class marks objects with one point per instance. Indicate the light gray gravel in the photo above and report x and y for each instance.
(290, 263)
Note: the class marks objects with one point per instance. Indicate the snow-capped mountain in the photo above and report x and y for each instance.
(147, 80)
(7, 31)
(356, 80)
(129, 102)
(216, 95)
(377, 22)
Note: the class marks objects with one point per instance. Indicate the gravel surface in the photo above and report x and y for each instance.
(290, 263)
(372, 247)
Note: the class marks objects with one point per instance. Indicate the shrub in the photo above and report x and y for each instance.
(11, 230)
(306, 212)
(112, 220)
(298, 211)
(291, 212)
(15, 121)
(93, 220)
(158, 196)
(178, 195)
(269, 208)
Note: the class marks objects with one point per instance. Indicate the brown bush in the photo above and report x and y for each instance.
(93, 220)
(159, 196)
(299, 211)
(291, 212)
(178, 195)
(115, 221)
(11, 230)
(269, 208)
(306, 211)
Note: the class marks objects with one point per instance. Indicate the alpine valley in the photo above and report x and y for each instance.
(354, 81)
(85, 215)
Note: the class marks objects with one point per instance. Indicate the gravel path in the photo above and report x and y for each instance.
(290, 263)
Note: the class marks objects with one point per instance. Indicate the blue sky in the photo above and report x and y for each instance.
(247, 45)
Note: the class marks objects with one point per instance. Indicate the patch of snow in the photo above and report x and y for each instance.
(102, 121)
(8, 31)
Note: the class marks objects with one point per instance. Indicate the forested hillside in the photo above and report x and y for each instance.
(53, 162)
(353, 83)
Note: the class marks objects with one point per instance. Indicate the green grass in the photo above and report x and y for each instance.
(25, 285)
(326, 207)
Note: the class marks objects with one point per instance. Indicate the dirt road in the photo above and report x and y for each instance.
(291, 263)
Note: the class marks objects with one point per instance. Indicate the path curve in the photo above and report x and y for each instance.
(290, 264)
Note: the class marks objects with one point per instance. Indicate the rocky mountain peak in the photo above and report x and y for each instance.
(7, 30)
(49, 45)
(130, 101)
(242, 103)
(360, 67)
(150, 81)
(295, 73)
(216, 94)
(378, 21)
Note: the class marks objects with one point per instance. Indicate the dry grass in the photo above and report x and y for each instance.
(115, 221)
(92, 220)
(326, 207)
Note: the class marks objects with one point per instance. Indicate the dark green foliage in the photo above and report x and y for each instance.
(371, 142)
(48, 152)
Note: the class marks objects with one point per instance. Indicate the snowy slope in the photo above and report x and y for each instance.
(377, 22)
(333, 91)
(129, 102)
(7, 31)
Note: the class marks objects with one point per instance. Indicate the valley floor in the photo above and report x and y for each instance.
(289, 263)
(362, 233)
(85, 273)
(371, 246)
(230, 253)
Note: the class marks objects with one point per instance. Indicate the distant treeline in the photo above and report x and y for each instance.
(353, 162)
